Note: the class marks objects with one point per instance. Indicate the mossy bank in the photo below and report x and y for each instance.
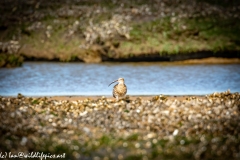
(93, 31)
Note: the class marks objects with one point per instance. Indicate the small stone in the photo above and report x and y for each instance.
(175, 132)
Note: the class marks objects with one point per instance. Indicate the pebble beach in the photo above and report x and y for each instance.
(153, 127)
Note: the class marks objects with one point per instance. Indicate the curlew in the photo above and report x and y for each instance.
(120, 89)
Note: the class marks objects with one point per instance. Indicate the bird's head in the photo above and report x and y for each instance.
(119, 80)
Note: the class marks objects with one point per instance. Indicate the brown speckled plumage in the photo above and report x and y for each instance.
(120, 89)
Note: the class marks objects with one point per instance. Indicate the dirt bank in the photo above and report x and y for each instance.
(123, 31)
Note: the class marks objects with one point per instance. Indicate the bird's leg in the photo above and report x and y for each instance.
(117, 98)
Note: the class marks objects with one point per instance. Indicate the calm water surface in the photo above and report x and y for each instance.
(49, 78)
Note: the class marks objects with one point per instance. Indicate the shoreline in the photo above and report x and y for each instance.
(134, 97)
(110, 98)
(182, 59)
(205, 60)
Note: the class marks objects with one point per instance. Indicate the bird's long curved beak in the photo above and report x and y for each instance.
(113, 82)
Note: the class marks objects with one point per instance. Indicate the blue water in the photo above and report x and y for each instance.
(54, 78)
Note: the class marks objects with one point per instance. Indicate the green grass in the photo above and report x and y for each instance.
(57, 45)
(10, 60)
(184, 36)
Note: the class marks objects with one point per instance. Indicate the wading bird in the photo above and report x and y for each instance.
(120, 89)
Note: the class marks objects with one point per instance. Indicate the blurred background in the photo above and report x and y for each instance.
(108, 39)
(78, 47)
